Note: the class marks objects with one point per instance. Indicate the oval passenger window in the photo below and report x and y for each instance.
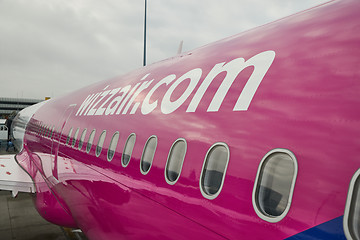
(112, 147)
(75, 137)
(82, 138)
(148, 154)
(47, 131)
(100, 143)
(52, 131)
(69, 136)
(128, 148)
(175, 161)
(214, 170)
(90, 141)
(274, 185)
(351, 220)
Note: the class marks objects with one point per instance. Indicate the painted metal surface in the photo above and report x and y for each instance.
(302, 97)
(13, 177)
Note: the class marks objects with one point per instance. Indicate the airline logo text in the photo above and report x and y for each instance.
(122, 100)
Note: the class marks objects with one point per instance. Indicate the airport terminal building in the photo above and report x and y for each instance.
(14, 105)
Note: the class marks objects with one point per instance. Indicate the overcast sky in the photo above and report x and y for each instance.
(50, 47)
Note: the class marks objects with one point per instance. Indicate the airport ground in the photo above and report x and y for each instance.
(19, 219)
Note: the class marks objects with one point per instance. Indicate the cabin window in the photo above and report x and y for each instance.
(69, 136)
(82, 138)
(100, 143)
(112, 147)
(90, 141)
(75, 137)
(351, 220)
(274, 185)
(128, 148)
(52, 131)
(214, 170)
(175, 161)
(148, 154)
(46, 131)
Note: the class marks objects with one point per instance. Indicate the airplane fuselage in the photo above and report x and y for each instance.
(252, 137)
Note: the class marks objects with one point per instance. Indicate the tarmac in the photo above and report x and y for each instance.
(19, 219)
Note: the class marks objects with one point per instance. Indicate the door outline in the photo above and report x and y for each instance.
(56, 143)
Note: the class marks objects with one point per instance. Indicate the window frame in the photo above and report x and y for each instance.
(205, 195)
(182, 162)
(142, 155)
(117, 142)
(48, 131)
(292, 187)
(74, 139)
(83, 133)
(45, 131)
(122, 154)
(38, 129)
(92, 140)
(346, 227)
(97, 154)
(69, 138)
(52, 131)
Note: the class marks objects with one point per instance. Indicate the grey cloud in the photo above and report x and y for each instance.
(51, 47)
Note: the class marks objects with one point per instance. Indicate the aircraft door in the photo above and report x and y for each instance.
(56, 142)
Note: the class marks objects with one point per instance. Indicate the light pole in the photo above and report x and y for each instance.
(144, 60)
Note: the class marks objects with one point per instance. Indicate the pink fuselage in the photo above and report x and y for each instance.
(307, 101)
